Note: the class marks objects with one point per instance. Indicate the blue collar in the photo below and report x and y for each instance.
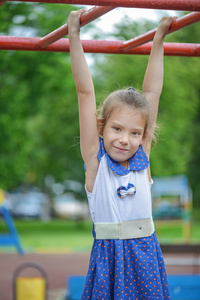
(139, 161)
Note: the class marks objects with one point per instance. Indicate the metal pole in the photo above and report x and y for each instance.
(62, 31)
(186, 5)
(148, 36)
(2, 2)
(96, 46)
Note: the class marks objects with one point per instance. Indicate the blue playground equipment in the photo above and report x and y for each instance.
(182, 287)
(172, 200)
(11, 238)
(178, 190)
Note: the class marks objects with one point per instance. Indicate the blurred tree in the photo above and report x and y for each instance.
(190, 75)
(39, 116)
(182, 107)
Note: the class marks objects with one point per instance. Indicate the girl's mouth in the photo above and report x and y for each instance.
(118, 149)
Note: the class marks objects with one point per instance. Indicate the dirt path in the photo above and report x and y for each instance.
(60, 266)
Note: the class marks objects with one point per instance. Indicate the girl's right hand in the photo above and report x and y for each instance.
(74, 20)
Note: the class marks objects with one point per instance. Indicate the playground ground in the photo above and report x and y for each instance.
(60, 266)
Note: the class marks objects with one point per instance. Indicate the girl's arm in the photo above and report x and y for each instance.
(153, 80)
(89, 137)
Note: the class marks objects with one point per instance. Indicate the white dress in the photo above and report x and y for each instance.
(122, 269)
(104, 202)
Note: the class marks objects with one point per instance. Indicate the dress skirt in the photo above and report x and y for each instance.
(126, 269)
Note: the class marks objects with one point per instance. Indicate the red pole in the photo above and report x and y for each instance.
(148, 36)
(62, 31)
(186, 5)
(96, 46)
(2, 3)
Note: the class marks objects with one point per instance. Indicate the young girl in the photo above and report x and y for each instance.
(126, 261)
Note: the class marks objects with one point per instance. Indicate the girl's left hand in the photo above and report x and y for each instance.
(165, 24)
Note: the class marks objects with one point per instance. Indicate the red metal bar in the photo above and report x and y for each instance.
(148, 36)
(2, 2)
(186, 5)
(62, 31)
(96, 46)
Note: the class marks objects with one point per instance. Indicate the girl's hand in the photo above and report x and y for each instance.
(74, 21)
(164, 25)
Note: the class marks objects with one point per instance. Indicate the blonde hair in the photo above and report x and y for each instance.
(130, 97)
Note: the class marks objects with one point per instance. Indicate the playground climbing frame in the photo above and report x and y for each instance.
(55, 41)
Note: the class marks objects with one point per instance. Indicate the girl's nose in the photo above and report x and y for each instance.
(124, 139)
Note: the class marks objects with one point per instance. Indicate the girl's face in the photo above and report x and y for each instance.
(123, 133)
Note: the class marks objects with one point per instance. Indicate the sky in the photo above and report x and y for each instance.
(108, 21)
(105, 23)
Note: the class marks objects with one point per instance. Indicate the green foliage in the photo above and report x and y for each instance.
(35, 19)
(178, 111)
(39, 115)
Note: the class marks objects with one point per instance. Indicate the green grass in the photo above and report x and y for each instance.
(63, 235)
(177, 232)
(55, 235)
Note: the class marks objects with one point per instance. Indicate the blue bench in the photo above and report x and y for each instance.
(184, 286)
(75, 287)
(181, 287)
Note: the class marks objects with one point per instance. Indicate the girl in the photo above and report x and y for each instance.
(126, 261)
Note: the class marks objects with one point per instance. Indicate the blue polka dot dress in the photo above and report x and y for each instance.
(129, 268)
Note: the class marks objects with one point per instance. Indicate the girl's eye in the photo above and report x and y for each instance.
(135, 133)
(116, 129)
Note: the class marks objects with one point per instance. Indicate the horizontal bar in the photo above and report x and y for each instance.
(148, 36)
(2, 2)
(96, 46)
(85, 18)
(186, 5)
